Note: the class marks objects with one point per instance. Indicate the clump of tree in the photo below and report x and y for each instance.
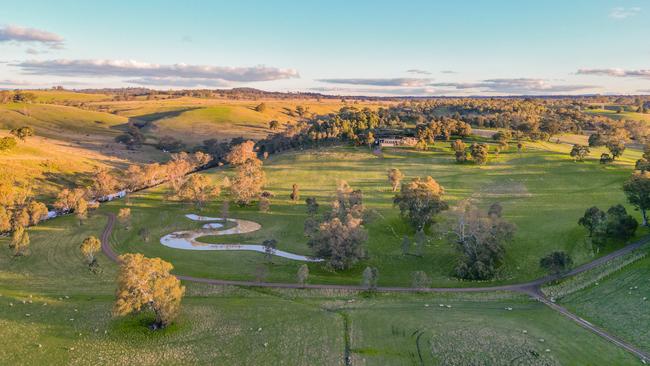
(395, 177)
(614, 224)
(147, 284)
(579, 152)
(22, 133)
(419, 201)
(479, 153)
(556, 262)
(480, 238)
(643, 164)
(338, 237)
(460, 150)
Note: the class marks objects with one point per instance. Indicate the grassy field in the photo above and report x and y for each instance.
(541, 190)
(55, 311)
(623, 115)
(618, 303)
(193, 119)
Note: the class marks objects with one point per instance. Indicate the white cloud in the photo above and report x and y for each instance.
(517, 86)
(179, 82)
(448, 72)
(407, 82)
(382, 91)
(623, 13)
(643, 73)
(418, 71)
(130, 68)
(13, 33)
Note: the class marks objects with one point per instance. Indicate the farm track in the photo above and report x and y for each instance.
(532, 288)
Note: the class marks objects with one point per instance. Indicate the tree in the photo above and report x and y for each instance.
(295, 193)
(198, 188)
(146, 283)
(420, 201)
(249, 181)
(264, 204)
(20, 241)
(370, 139)
(22, 132)
(241, 153)
(420, 280)
(21, 217)
(104, 183)
(620, 225)
(479, 238)
(479, 153)
(81, 210)
(596, 140)
(5, 220)
(261, 107)
(643, 164)
(370, 277)
(303, 274)
(605, 158)
(340, 236)
(637, 190)
(7, 143)
(274, 125)
(270, 245)
(579, 152)
(170, 144)
(556, 262)
(593, 220)
(460, 150)
(395, 177)
(89, 247)
(124, 215)
(615, 147)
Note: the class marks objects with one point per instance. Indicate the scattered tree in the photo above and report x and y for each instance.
(420, 201)
(479, 153)
(420, 280)
(20, 241)
(579, 152)
(89, 247)
(460, 150)
(146, 283)
(395, 177)
(295, 193)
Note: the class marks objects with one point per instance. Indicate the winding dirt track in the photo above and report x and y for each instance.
(532, 288)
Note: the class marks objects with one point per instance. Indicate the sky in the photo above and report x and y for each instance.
(387, 48)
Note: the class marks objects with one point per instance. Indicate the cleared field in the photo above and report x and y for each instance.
(231, 326)
(541, 190)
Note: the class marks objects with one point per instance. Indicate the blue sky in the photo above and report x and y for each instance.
(337, 47)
